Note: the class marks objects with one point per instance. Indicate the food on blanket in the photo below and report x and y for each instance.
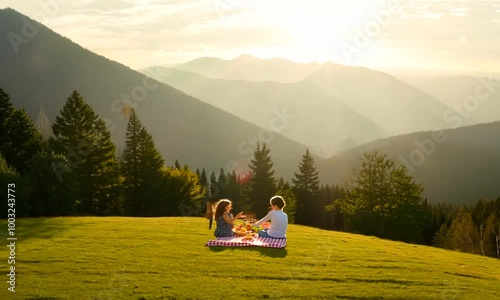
(248, 237)
(240, 232)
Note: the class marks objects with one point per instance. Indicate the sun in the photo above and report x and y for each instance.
(315, 36)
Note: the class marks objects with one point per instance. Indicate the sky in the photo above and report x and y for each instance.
(390, 34)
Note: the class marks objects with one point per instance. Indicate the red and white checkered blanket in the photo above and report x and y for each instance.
(238, 241)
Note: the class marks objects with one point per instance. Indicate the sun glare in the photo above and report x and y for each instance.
(316, 35)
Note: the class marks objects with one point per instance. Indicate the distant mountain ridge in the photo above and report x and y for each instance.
(317, 119)
(336, 106)
(475, 99)
(249, 68)
(48, 67)
(395, 106)
(455, 165)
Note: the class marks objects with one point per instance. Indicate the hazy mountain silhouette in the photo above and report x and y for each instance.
(48, 67)
(395, 106)
(461, 169)
(337, 106)
(246, 67)
(319, 120)
(475, 99)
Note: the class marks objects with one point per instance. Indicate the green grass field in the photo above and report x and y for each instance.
(164, 258)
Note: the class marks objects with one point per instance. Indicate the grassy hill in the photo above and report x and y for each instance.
(164, 258)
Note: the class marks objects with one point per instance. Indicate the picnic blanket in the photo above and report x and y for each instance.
(238, 241)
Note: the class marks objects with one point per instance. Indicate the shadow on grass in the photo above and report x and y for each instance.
(35, 228)
(354, 297)
(264, 251)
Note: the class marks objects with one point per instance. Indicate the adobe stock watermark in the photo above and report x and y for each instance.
(363, 36)
(48, 10)
(278, 122)
(222, 7)
(137, 94)
(456, 116)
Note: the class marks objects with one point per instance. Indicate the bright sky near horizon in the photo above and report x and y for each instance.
(417, 34)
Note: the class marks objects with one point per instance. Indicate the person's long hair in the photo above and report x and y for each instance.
(221, 208)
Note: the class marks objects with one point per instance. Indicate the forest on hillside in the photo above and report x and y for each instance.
(75, 170)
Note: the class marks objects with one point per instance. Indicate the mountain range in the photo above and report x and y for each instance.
(210, 113)
(47, 67)
(344, 106)
(458, 165)
(249, 68)
(323, 122)
(475, 99)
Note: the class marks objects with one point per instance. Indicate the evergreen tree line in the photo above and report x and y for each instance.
(472, 229)
(76, 172)
(382, 200)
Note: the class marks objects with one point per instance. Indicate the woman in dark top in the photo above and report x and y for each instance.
(224, 218)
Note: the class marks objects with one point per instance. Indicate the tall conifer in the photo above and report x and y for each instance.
(82, 137)
(262, 185)
(306, 189)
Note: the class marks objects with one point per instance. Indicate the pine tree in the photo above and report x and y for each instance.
(233, 191)
(177, 164)
(129, 166)
(204, 180)
(383, 200)
(106, 178)
(141, 167)
(24, 139)
(20, 140)
(83, 139)
(204, 184)
(6, 111)
(306, 189)
(286, 191)
(223, 183)
(262, 184)
(234, 186)
(151, 164)
(214, 188)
